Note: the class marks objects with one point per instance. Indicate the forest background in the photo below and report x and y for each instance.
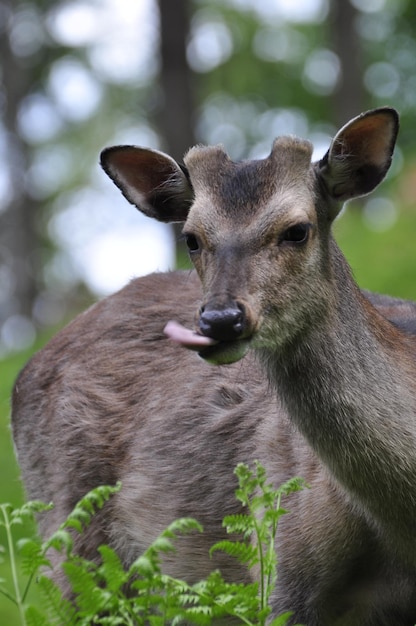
(79, 75)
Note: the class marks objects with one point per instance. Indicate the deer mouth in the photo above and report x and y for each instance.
(211, 350)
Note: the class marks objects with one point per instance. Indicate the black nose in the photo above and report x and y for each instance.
(222, 324)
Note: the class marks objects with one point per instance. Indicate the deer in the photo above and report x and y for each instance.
(267, 350)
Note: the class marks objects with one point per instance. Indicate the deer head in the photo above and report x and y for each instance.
(258, 232)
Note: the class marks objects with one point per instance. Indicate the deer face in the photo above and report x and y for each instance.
(253, 234)
(258, 232)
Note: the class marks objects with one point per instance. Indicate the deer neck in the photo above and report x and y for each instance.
(350, 393)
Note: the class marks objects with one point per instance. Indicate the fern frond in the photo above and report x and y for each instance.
(244, 552)
(28, 510)
(111, 569)
(84, 583)
(239, 523)
(162, 544)
(199, 614)
(148, 564)
(228, 599)
(183, 525)
(292, 485)
(33, 557)
(61, 541)
(145, 566)
(282, 620)
(59, 611)
(84, 510)
(34, 617)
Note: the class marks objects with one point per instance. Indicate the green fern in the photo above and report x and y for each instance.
(107, 594)
(263, 504)
(244, 552)
(57, 611)
(35, 617)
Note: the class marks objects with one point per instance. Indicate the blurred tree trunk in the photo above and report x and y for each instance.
(176, 115)
(18, 241)
(349, 98)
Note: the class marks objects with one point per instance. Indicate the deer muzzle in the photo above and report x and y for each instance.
(223, 335)
(226, 324)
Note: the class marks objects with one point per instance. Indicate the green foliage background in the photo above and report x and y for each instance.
(385, 261)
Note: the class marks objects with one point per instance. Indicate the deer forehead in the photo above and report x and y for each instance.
(277, 189)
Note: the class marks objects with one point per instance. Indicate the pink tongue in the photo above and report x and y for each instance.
(186, 337)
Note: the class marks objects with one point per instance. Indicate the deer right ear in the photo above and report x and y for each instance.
(360, 154)
(150, 180)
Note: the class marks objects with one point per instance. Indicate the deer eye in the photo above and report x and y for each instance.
(192, 243)
(297, 234)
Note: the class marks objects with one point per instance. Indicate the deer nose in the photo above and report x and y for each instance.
(222, 324)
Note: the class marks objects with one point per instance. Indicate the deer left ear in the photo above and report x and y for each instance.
(360, 154)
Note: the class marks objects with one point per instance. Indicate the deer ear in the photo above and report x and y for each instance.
(150, 180)
(360, 154)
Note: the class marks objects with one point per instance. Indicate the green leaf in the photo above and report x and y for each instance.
(33, 556)
(58, 609)
(281, 620)
(144, 566)
(245, 553)
(111, 569)
(34, 617)
(239, 523)
(60, 540)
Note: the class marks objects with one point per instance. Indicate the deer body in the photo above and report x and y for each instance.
(330, 394)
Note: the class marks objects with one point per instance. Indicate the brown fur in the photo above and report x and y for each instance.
(110, 398)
